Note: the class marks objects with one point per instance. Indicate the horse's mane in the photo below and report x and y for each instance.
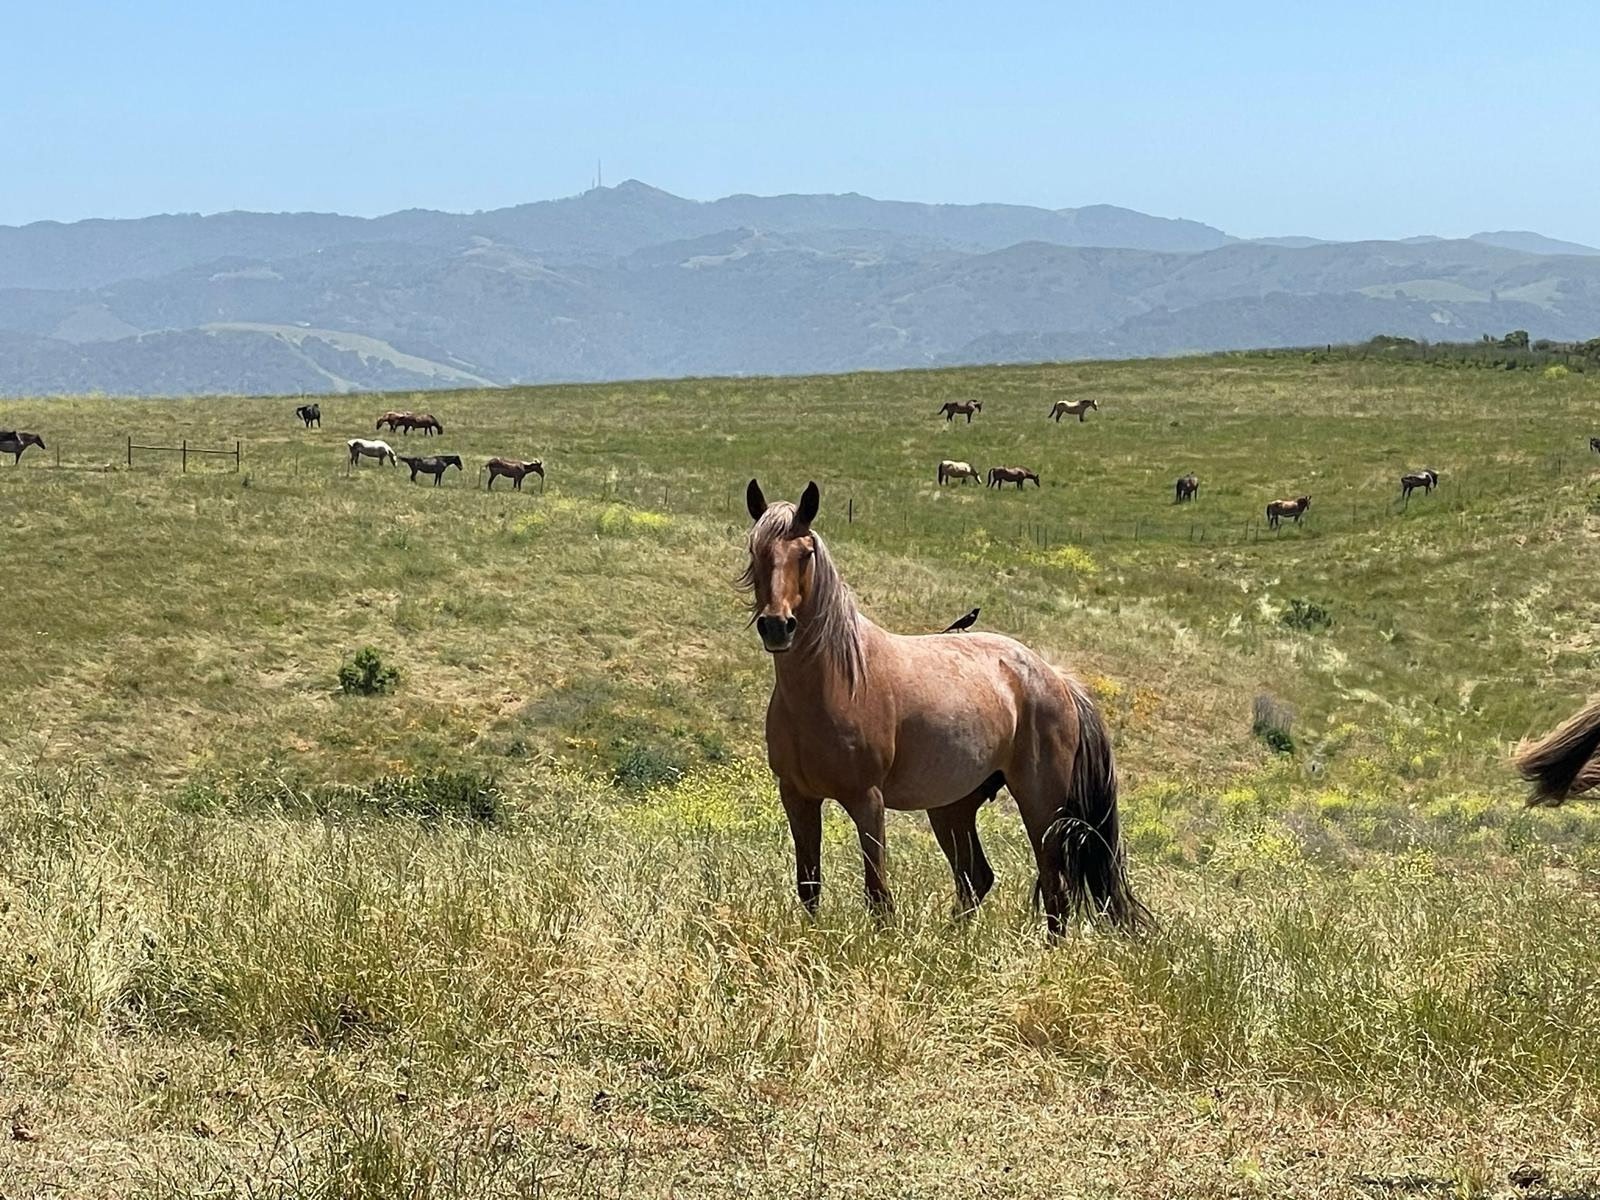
(832, 627)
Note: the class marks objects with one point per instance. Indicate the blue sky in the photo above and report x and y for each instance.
(1350, 120)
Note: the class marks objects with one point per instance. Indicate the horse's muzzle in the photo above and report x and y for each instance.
(777, 633)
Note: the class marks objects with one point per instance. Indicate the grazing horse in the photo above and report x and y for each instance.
(432, 464)
(513, 469)
(1188, 488)
(1280, 509)
(14, 442)
(1566, 761)
(311, 414)
(1076, 408)
(877, 720)
(1427, 480)
(394, 419)
(427, 422)
(362, 448)
(1000, 476)
(951, 469)
(954, 408)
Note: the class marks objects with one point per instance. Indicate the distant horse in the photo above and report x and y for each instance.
(950, 469)
(1594, 444)
(14, 442)
(513, 469)
(1280, 509)
(362, 448)
(311, 414)
(1076, 408)
(427, 422)
(877, 720)
(395, 419)
(432, 464)
(954, 408)
(1000, 476)
(1565, 762)
(1188, 488)
(1426, 480)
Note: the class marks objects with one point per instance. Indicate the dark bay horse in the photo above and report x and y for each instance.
(427, 422)
(1566, 761)
(1000, 476)
(1426, 480)
(1279, 509)
(1188, 488)
(955, 408)
(431, 464)
(513, 469)
(311, 414)
(877, 720)
(15, 441)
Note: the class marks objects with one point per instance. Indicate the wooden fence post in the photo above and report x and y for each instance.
(130, 451)
(238, 456)
(183, 453)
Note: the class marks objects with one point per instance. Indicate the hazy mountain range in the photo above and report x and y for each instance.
(630, 282)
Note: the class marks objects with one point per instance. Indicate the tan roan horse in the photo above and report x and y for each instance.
(939, 723)
(952, 469)
(1566, 761)
(1074, 408)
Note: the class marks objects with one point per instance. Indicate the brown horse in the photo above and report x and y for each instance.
(1280, 509)
(433, 464)
(427, 422)
(513, 469)
(14, 442)
(1000, 476)
(1427, 480)
(394, 419)
(1566, 761)
(1188, 488)
(954, 408)
(1076, 408)
(877, 720)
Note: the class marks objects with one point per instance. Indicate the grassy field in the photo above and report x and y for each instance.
(523, 926)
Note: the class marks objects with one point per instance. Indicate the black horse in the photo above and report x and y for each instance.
(1188, 488)
(14, 442)
(311, 414)
(432, 464)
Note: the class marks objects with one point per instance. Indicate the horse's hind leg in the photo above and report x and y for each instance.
(956, 828)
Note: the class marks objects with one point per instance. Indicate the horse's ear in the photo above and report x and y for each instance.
(810, 501)
(755, 501)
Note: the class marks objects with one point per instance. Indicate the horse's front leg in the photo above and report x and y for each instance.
(867, 811)
(805, 826)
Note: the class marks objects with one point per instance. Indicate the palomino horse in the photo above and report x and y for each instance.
(954, 408)
(1188, 488)
(362, 448)
(1075, 408)
(951, 469)
(877, 720)
(394, 419)
(1280, 509)
(1566, 761)
(431, 464)
(513, 469)
(14, 442)
(1427, 480)
(1000, 476)
(311, 414)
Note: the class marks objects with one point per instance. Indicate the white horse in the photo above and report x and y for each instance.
(362, 448)
(1074, 408)
(950, 469)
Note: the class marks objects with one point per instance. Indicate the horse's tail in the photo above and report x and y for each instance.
(1084, 843)
(1558, 765)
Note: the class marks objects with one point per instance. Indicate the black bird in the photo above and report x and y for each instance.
(965, 622)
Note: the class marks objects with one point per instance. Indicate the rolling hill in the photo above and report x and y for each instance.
(631, 282)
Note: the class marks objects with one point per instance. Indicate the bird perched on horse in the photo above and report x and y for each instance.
(965, 622)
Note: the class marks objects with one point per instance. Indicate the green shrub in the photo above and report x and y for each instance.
(366, 674)
(1306, 615)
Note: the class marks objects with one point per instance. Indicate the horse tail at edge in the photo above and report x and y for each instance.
(1558, 765)
(1085, 841)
